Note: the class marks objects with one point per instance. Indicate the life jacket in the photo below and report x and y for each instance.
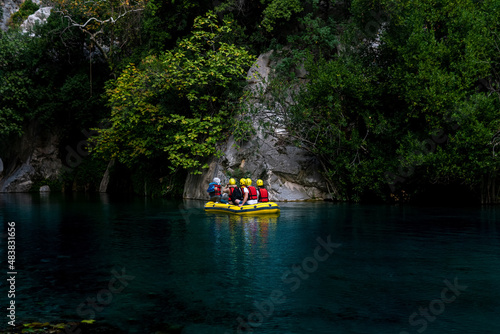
(263, 195)
(218, 190)
(252, 193)
(235, 193)
(214, 189)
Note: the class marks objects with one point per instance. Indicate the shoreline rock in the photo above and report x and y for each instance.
(288, 172)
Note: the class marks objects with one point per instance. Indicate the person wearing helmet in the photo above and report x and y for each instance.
(229, 189)
(244, 192)
(263, 194)
(253, 197)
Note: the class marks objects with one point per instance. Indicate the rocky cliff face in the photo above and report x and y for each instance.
(289, 173)
(34, 157)
(7, 8)
(38, 17)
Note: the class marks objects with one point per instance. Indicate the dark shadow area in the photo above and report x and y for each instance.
(447, 195)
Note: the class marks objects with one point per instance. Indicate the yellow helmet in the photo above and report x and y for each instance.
(232, 181)
(249, 182)
(260, 183)
(243, 182)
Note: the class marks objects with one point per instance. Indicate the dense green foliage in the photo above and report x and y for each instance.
(399, 96)
(46, 82)
(426, 68)
(27, 8)
(41, 82)
(397, 108)
(176, 104)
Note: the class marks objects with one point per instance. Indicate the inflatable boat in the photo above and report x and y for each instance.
(249, 209)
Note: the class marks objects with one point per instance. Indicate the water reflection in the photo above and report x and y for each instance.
(248, 236)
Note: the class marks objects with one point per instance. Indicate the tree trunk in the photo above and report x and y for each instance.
(103, 187)
(489, 194)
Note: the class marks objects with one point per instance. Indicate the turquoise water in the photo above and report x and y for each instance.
(142, 264)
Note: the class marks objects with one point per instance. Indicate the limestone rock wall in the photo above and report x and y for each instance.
(288, 172)
(34, 157)
(7, 8)
(38, 17)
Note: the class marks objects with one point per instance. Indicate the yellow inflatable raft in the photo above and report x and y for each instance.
(250, 209)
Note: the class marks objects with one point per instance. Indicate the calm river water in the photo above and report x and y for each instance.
(142, 264)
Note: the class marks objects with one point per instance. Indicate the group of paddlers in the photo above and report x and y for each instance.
(242, 195)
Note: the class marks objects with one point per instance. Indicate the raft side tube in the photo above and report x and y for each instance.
(250, 209)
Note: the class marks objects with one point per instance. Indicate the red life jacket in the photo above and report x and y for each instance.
(217, 188)
(264, 196)
(231, 189)
(252, 193)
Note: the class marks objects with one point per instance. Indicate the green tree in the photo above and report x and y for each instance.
(166, 21)
(14, 91)
(26, 9)
(112, 28)
(404, 72)
(175, 106)
(279, 10)
(447, 48)
(46, 85)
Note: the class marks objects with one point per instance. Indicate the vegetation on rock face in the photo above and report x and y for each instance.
(393, 98)
(27, 8)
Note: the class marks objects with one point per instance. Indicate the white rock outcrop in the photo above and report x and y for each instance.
(44, 189)
(38, 17)
(8, 7)
(288, 172)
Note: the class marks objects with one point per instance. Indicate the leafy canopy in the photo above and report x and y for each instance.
(176, 104)
(404, 71)
(111, 26)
